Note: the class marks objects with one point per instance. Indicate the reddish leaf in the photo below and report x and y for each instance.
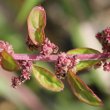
(8, 63)
(84, 64)
(47, 79)
(82, 91)
(36, 24)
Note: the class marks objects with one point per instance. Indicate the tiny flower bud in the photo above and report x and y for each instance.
(63, 64)
(25, 66)
(48, 47)
(25, 73)
(106, 66)
(6, 46)
(15, 81)
(104, 39)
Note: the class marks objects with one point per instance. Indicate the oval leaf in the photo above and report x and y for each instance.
(36, 24)
(84, 64)
(8, 62)
(47, 79)
(82, 91)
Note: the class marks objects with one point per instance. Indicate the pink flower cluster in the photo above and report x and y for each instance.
(48, 47)
(104, 39)
(106, 66)
(63, 64)
(6, 46)
(25, 68)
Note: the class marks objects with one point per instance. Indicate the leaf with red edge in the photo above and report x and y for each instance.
(36, 24)
(8, 62)
(84, 64)
(82, 91)
(47, 79)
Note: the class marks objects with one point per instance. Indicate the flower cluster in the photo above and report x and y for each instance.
(106, 66)
(63, 64)
(104, 39)
(48, 47)
(6, 46)
(25, 74)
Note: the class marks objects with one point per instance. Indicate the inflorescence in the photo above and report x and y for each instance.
(104, 39)
(25, 67)
(67, 64)
(63, 63)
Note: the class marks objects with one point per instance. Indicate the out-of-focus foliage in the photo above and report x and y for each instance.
(24, 11)
(70, 24)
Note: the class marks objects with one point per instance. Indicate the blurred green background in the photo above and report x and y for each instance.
(70, 24)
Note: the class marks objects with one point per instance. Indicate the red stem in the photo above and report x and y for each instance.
(52, 58)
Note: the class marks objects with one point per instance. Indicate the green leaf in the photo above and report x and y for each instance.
(84, 64)
(82, 91)
(36, 24)
(47, 79)
(8, 62)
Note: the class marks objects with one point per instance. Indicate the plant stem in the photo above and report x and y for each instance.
(52, 58)
(34, 57)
